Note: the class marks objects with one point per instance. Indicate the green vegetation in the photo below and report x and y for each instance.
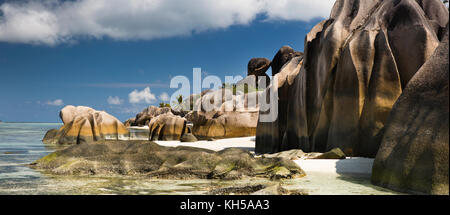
(49, 158)
(178, 103)
(162, 104)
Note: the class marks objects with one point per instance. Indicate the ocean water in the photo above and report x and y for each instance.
(20, 145)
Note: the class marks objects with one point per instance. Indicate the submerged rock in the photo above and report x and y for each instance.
(258, 189)
(414, 152)
(241, 190)
(150, 159)
(217, 125)
(272, 190)
(84, 124)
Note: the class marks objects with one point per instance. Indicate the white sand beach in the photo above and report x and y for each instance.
(246, 143)
(350, 176)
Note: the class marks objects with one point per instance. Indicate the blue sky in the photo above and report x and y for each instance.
(40, 75)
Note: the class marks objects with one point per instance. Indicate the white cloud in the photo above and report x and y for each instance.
(57, 102)
(114, 100)
(142, 96)
(164, 97)
(55, 21)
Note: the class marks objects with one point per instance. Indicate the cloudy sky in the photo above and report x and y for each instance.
(119, 55)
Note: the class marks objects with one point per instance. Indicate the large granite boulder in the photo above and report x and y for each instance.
(219, 124)
(144, 117)
(258, 66)
(50, 135)
(188, 137)
(229, 115)
(84, 124)
(413, 156)
(356, 64)
(269, 135)
(167, 127)
(256, 69)
(129, 122)
(155, 161)
(284, 55)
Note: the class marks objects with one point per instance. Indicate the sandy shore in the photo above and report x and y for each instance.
(246, 143)
(351, 165)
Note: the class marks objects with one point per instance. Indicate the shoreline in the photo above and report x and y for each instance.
(359, 166)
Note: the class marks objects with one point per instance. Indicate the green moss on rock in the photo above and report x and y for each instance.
(155, 161)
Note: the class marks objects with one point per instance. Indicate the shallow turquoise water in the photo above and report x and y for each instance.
(20, 144)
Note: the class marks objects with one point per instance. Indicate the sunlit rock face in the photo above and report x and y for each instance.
(356, 64)
(413, 156)
(167, 127)
(145, 116)
(84, 124)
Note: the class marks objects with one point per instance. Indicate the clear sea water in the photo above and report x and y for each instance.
(20, 145)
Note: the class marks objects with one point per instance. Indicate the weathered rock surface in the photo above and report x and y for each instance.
(145, 116)
(257, 189)
(223, 124)
(129, 122)
(284, 55)
(279, 190)
(240, 190)
(84, 124)
(414, 152)
(258, 66)
(228, 116)
(167, 127)
(50, 135)
(269, 135)
(188, 137)
(150, 159)
(298, 154)
(356, 64)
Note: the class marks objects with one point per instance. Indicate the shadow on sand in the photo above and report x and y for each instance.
(359, 171)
